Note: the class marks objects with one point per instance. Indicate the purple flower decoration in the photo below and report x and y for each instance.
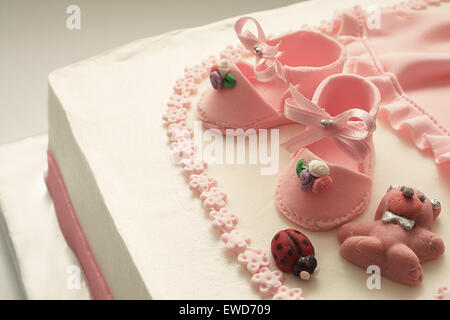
(216, 80)
(306, 180)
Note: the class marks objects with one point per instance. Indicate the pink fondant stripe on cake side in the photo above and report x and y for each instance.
(73, 233)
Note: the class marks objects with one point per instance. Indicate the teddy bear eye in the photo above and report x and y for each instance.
(421, 197)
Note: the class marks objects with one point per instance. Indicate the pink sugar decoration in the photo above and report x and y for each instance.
(182, 149)
(198, 73)
(213, 199)
(267, 281)
(231, 53)
(443, 294)
(253, 260)
(285, 293)
(179, 130)
(193, 166)
(201, 182)
(417, 4)
(174, 115)
(185, 86)
(235, 241)
(210, 62)
(179, 101)
(223, 219)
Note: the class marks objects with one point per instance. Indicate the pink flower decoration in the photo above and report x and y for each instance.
(174, 115)
(179, 130)
(198, 73)
(285, 293)
(253, 260)
(201, 182)
(329, 27)
(322, 184)
(267, 281)
(231, 53)
(443, 294)
(223, 219)
(243, 51)
(235, 241)
(417, 4)
(208, 63)
(182, 149)
(213, 199)
(185, 86)
(179, 101)
(193, 166)
(434, 2)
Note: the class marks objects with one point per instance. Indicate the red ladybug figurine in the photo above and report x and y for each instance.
(293, 252)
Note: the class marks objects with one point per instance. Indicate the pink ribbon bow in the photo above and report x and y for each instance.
(349, 135)
(268, 67)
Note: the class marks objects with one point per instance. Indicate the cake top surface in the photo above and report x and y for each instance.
(114, 102)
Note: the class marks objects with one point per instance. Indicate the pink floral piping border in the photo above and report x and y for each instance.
(268, 282)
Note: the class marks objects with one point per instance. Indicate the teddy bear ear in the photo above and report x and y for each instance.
(436, 207)
(393, 186)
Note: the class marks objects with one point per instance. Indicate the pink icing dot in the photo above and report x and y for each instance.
(443, 294)
(253, 260)
(210, 62)
(235, 241)
(223, 219)
(179, 101)
(198, 73)
(417, 4)
(267, 281)
(193, 166)
(182, 149)
(201, 182)
(285, 293)
(179, 130)
(231, 53)
(213, 199)
(185, 86)
(174, 115)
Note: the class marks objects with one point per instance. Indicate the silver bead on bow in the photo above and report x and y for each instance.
(257, 50)
(326, 123)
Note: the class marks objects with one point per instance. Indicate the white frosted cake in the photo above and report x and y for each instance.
(146, 231)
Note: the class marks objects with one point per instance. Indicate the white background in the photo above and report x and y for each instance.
(34, 40)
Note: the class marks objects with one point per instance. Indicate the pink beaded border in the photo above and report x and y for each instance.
(268, 282)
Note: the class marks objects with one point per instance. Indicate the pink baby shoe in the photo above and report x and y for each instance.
(252, 96)
(329, 179)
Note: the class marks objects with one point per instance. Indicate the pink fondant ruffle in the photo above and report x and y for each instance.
(402, 112)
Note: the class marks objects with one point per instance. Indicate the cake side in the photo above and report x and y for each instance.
(108, 248)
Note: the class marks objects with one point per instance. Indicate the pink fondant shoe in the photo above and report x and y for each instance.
(329, 179)
(256, 98)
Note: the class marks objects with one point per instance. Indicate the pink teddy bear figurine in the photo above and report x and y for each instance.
(400, 237)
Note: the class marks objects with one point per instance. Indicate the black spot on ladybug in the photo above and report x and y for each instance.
(290, 253)
(277, 236)
(279, 246)
(306, 243)
(296, 231)
(283, 262)
(275, 256)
